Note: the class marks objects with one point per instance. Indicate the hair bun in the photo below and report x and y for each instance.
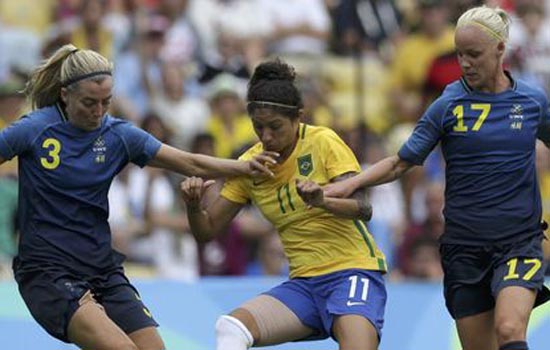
(273, 70)
(506, 19)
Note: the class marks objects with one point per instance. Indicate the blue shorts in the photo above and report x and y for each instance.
(52, 296)
(317, 300)
(475, 274)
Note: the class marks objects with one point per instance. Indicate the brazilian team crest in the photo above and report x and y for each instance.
(305, 165)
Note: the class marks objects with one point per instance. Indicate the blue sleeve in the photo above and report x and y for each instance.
(17, 138)
(426, 134)
(140, 145)
(543, 132)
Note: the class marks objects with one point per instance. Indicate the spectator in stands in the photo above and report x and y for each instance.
(90, 32)
(166, 245)
(297, 27)
(425, 260)
(271, 259)
(432, 227)
(228, 59)
(228, 123)
(245, 22)
(414, 55)
(131, 94)
(181, 41)
(443, 70)
(530, 44)
(364, 25)
(185, 114)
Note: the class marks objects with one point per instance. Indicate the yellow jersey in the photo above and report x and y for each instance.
(315, 241)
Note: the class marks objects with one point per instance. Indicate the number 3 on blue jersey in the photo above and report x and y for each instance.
(54, 147)
(458, 112)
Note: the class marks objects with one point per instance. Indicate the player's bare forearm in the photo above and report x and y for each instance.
(199, 165)
(355, 207)
(349, 208)
(210, 167)
(207, 167)
(207, 222)
(200, 223)
(384, 171)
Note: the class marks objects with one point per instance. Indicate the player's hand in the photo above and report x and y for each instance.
(192, 190)
(310, 192)
(260, 165)
(340, 189)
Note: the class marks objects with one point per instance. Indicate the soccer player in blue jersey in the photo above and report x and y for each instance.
(336, 286)
(69, 150)
(487, 124)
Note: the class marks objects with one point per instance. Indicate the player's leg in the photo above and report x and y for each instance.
(236, 331)
(477, 332)
(514, 305)
(355, 301)
(355, 332)
(124, 306)
(66, 309)
(261, 321)
(468, 295)
(147, 338)
(518, 285)
(271, 318)
(91, 328)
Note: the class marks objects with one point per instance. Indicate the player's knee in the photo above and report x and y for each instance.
(232, 334)
(510, 330)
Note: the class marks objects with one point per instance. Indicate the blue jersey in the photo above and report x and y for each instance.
(64, 177)
(488, 142)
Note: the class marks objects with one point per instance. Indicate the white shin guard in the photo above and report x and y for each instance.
(232, 334)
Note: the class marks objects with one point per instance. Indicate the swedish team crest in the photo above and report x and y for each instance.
(516, 117)
(305, 165)
(99, 148)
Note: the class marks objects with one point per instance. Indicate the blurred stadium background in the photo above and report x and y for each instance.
(367, 68)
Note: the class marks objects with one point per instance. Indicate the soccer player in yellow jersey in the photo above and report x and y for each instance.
(336, 286)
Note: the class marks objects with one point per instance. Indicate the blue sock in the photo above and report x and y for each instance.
(515, 345)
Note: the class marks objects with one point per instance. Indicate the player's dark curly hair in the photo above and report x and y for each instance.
(272, 86)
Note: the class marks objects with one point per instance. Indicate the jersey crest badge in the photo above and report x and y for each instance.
(99, 150)
(516, 117)
(305, 165)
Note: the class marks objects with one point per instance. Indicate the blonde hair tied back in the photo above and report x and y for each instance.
(67, 63)
(494, 21)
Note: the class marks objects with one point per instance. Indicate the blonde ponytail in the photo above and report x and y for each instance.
(63, 69)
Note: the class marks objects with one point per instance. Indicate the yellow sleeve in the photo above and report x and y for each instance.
(339, 159)
(234, 189)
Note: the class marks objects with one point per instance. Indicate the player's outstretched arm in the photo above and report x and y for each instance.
(206, 222)
(191, 164)
(386, 170)
(356, 207)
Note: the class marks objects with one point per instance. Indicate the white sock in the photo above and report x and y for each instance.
(232, 334)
